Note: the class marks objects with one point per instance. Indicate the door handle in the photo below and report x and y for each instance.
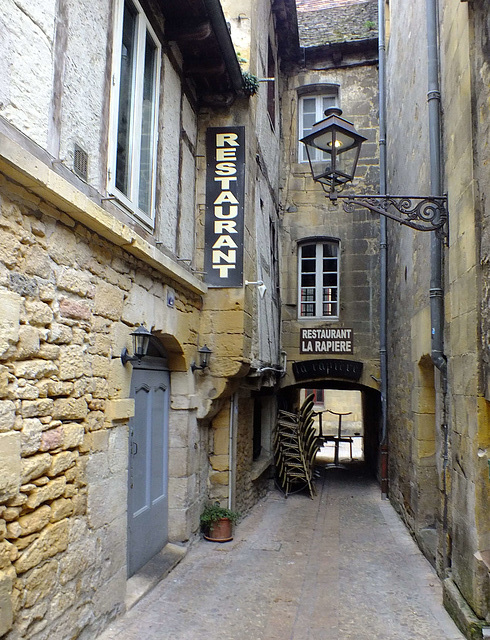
(134, 448)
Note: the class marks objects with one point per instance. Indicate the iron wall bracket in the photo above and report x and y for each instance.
(417, 212)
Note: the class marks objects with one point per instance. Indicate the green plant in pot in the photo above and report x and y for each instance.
(217, 522)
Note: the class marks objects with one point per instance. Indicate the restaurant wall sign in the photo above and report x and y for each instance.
(225, 195)
(326, 341)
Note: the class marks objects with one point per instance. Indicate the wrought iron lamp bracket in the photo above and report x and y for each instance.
(418, 212)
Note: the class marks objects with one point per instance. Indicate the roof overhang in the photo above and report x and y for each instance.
(202, 34)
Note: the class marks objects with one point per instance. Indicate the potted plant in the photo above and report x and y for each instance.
(217, 522)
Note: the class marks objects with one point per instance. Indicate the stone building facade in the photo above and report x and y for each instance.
(105, 226)
(439, 423)
(337, 67)
(102, 229)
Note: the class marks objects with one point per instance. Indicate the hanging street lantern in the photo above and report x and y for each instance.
(333, 148)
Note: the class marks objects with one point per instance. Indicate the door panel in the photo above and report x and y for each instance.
(148, 467)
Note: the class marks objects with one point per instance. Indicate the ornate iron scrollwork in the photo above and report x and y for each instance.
(417, 212)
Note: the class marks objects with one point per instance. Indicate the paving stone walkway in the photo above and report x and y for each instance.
(339, 567)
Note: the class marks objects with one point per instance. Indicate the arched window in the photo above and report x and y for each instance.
(318, 276)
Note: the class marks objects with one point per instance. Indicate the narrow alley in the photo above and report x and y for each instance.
(338, 567)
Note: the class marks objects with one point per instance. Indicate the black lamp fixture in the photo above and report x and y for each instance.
(141, 342)
(333, 147)
(204, 353)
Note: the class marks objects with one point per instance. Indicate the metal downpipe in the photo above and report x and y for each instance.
(383, 249)
(437, 248)
(434, 105)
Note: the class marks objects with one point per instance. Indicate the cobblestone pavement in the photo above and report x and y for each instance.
(339, 567)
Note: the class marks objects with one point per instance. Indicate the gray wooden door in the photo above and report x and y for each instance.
(148, 465)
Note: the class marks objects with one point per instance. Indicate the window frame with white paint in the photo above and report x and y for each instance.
(135, 94)
(319, 279)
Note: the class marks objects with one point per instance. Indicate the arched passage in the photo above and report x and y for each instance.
(341, 397)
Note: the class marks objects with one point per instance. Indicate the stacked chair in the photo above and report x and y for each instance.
(295, 447)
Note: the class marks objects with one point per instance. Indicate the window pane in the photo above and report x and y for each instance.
(308, 250)
(329, 101)
(329, 294)
(330, 279)
(123, 155)
(307, 309)
(330, 265)
(308, 266)
(309, 105)
(330, 249)
(330, 309)
(308, 295)
(309, 120)
(308, 280)
(146, 153)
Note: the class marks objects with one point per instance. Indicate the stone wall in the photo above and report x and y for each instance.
(69, 303)
(444, 506)
(411, 407)
(480, 48)
(308, 213)
(467, 309)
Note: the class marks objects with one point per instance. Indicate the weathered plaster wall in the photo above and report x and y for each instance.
(26, 87)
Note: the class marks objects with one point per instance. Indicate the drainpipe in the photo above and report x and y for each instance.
(383, 249)
(434, 102)
(231, 450)
(436, 282)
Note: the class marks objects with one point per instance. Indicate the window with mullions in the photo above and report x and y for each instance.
(312, 109)
(134, 111)
(319, 279)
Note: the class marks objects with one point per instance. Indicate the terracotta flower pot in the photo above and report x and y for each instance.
(220, 531)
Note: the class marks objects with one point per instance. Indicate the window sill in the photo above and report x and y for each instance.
(319, 319)
(263, 462)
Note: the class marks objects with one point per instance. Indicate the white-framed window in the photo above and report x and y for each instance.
(134, 111)
(318, 279)
(312, 109)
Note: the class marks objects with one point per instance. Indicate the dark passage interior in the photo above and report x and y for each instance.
(346, 419)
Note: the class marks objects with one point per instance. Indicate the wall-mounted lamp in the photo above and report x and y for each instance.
(204, 353)
(260, 285)
(333, 148)
(141, 342)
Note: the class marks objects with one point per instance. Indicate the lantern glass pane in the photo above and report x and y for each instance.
(141, 343)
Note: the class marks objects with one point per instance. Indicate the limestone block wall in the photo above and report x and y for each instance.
(413, 473)
(479, 46)
(417, 419)
(69, 301)
(470, 482)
